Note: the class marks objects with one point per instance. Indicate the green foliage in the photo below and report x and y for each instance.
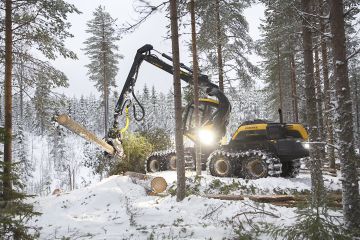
(249, 223)
(158, 137)
(312, 224)
(136, 149)
(2, 134)
(234, 38)
(41, 24)
(279, 44)
(14, 211)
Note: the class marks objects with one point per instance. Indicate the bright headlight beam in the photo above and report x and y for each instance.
(206, 136)
(306, 145)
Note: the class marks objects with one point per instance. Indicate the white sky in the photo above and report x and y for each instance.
(153, 31)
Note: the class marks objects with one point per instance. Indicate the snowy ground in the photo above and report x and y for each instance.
(116, 208)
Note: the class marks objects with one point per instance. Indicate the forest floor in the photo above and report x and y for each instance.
(117, 208)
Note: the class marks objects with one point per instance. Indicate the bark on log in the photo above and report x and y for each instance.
(150, 183)
(271, 198)
(333, 199)
(226, 197)
(255, 198)
(80, 130)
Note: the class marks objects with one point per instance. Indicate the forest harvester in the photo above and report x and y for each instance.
(257, 149)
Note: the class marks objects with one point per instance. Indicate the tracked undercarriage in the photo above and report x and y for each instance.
(251, 164)
(166, 160)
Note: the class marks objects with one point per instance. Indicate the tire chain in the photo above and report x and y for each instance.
(273, 163)
(189, 164)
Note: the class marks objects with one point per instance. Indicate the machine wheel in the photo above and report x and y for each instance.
(254, 167)
(154, 164)
(258, 164)
(221, 165)
(166, 160)
(291, 169)
(171, 162)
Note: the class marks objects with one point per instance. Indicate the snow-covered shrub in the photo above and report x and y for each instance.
(158, 137)
(136, 149)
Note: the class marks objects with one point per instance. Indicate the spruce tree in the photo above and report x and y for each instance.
(102, 51)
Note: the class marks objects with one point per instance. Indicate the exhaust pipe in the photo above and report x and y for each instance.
(280, 116)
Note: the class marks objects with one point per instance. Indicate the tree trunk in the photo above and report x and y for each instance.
(279, 78)
(106, 93)
(7, 184)
(70, 178)
(317, 183)
(219, 46)
(350, 184)
(196, 84)
(21, 89)
(327, 93)
(357, 109)
(293, 88)
(319, 95)
(319, 104)
(180, 163)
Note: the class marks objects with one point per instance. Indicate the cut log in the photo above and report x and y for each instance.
(226, 197)
(151, 183)
(333, 199)
(256, 198)
(80, 130)
(328, 171)
(271, 198)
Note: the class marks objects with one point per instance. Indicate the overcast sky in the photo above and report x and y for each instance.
(152, 31)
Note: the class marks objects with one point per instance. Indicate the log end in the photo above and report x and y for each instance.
(62, 119)
(158, 185)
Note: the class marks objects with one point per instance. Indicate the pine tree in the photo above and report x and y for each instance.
(317, 182)
(223, 39)
(279, 47)
(14, 211)
(344, 120)
(196, 82)
(180, 162)
(102, 51)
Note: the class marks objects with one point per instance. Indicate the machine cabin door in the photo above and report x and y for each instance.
(207, 110)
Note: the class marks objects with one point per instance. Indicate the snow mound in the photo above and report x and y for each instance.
(117, 208)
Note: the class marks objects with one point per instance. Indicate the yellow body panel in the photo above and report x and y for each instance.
(208, 100)
(262, 126)
(299, 128)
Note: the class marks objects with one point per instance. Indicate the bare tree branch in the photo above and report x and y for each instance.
(145, 12)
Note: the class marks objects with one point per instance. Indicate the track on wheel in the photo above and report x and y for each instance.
(166, 160)
(251, 164)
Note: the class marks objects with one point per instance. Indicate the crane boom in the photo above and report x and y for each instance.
(145, 54)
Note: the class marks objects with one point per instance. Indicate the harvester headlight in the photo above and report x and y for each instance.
(306, 145)
(206, 136)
